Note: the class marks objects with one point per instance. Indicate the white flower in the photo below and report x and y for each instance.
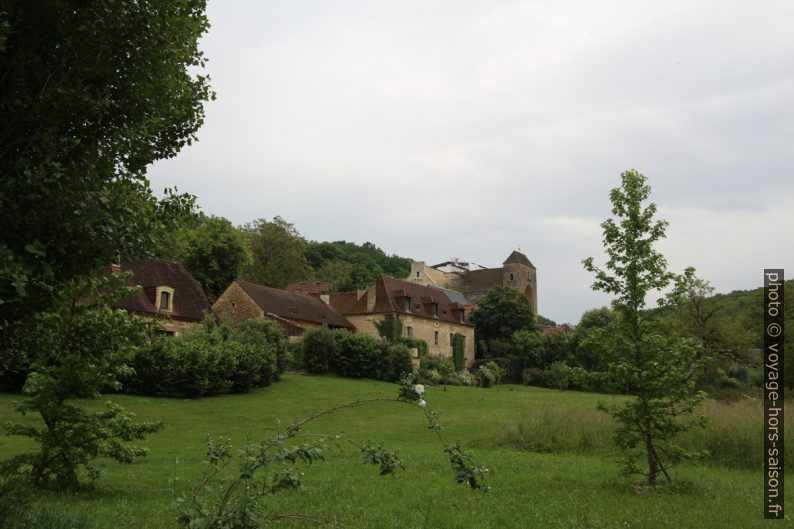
(422, 403)
(420, 389)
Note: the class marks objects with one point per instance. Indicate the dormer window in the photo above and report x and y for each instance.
(407, 301)
(434, 309)
(164, 299)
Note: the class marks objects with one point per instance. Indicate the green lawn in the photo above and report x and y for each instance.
(529, 489)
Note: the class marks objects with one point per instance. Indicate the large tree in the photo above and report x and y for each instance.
(91, 93)
(500, 312)
(277, 250)
(658, 371)
(212, 250)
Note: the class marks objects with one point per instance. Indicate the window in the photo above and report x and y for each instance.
(409, 331)
(451, 337)
(165, 301)
(434, 309)
(417, 274)
(511, 277)
(435, 337)
(407, 304)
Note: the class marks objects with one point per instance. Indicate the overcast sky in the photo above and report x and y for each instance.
(471, 128)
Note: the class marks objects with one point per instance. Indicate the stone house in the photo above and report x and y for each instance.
(429, 313)
(169, 294)
(295, 312)
(516, 272)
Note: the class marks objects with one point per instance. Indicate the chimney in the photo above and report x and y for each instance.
(371, 298)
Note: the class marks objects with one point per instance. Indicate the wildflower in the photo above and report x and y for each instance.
(420, 389)
(422, 403)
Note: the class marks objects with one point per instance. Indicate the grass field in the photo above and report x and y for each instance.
(568, 483)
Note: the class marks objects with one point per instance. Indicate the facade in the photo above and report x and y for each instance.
(169, 294)
(429, 313)
(295, 312)
(516, 272)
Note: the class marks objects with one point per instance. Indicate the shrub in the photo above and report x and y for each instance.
(486, 377)
(532, 376)
(268, 335)
(358, 356)
(394, 360)
(557, 375)
(320, 348)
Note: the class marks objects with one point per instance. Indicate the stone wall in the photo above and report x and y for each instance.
(236, 304)
(424, 329)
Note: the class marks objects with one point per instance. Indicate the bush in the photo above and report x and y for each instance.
(394, 361)
(320, 349)
(532, 376)
(267, 334)
(359, 355)
(210, 359)
(557, 375)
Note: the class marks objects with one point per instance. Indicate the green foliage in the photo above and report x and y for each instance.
(658, 371)
(277, 251)
(501, 312)
(211, 359)
(458, 351)
(90, 95)
(358, 355)
(212, 250)
(557, 375)
(416, 343)
(78, 348)
(585, 352)
(390, 328)
(348, 266)
(320, 349)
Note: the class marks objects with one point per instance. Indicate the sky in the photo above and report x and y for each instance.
(440, 129)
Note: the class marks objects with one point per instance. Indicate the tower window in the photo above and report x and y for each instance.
(511, 277)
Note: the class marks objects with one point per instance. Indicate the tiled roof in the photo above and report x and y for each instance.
(342, 302)
(308, 288)
(293, 306)
(189, 301)
(390, 295)
(518, 257)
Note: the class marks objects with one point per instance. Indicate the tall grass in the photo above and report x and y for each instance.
(732, 437)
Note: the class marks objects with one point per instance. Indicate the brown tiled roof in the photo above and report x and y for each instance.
(189, 301)
(390, 293)
(518, 257)
(342, 302)
(308, 288)
(483, 280)
(293, 306)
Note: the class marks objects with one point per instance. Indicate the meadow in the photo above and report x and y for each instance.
(552, 463)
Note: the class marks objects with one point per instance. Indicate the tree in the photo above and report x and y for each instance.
(277, 253)
(586, 352)
(458, 351)
(501, 312)
(80, 347)
(213, 251)
(658, 371)
(390, 328)
(91, 93)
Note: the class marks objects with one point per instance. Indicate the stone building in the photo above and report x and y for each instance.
(517, 272)
(295, 312)
(430, 313)
(169, 294)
